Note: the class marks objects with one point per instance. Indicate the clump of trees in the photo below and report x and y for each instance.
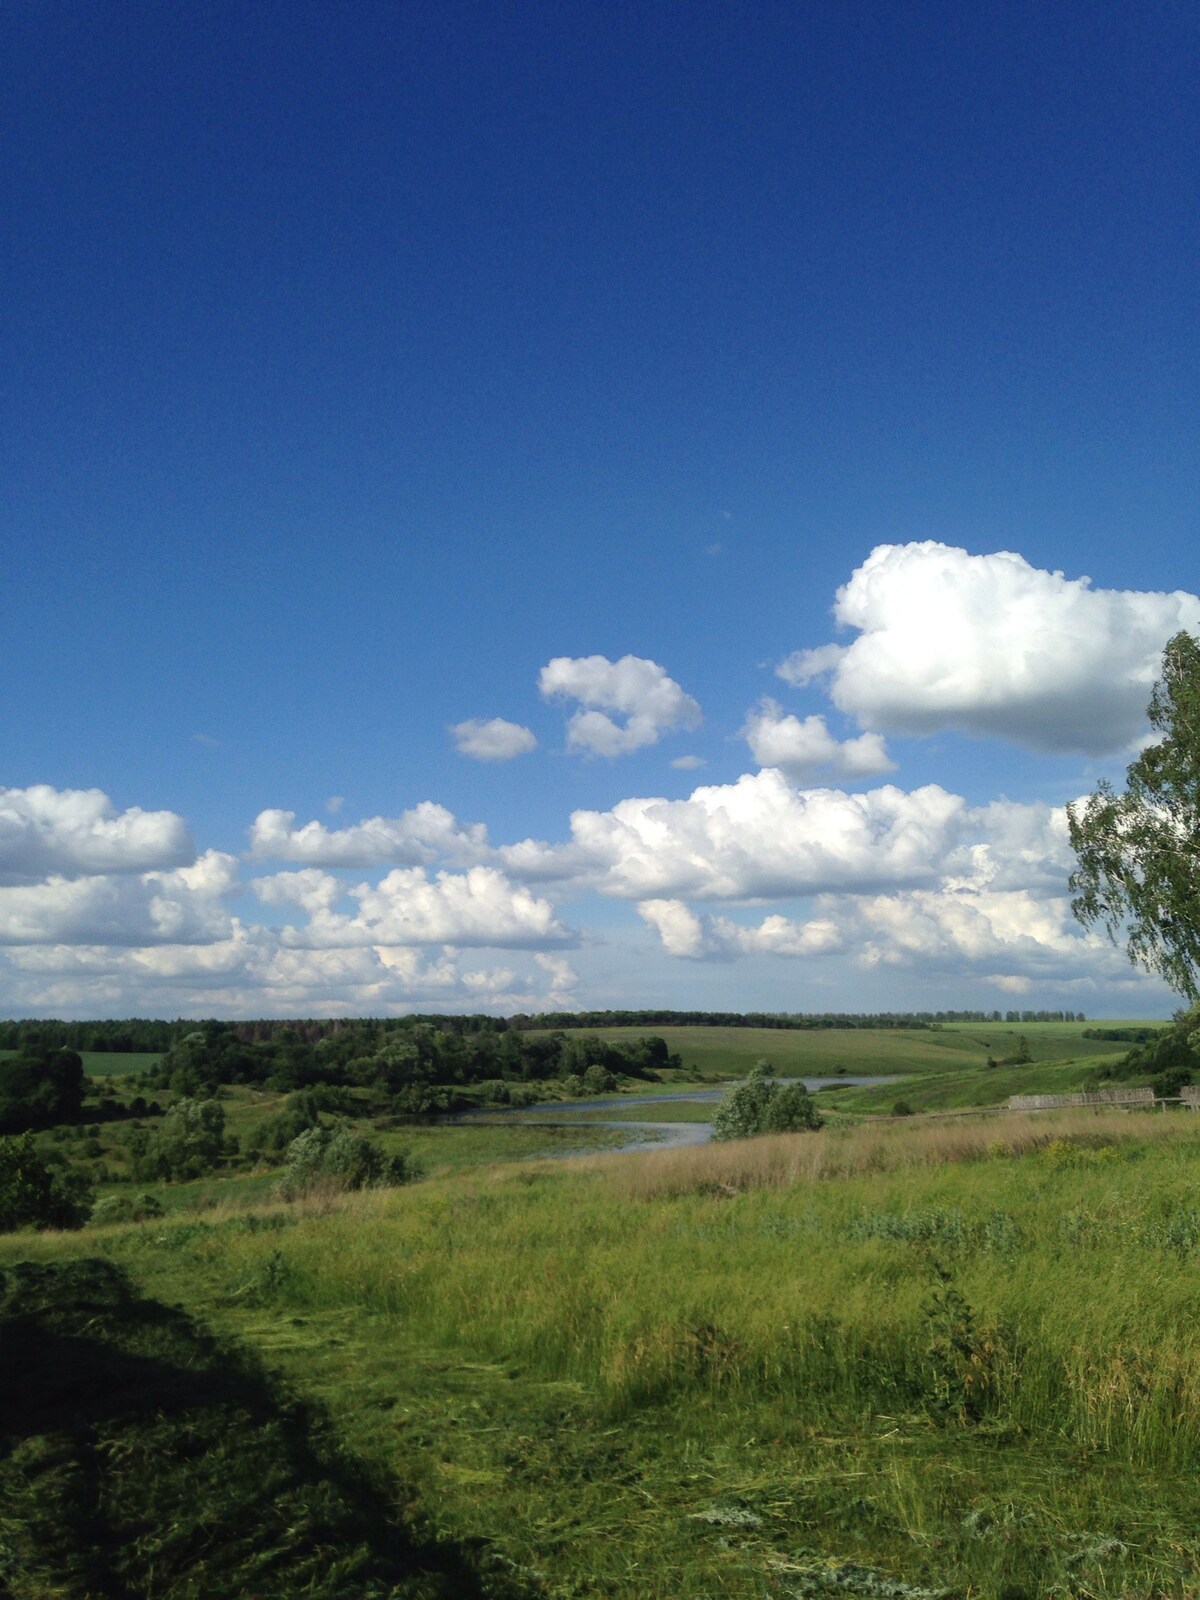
(337, 1160)
(37, 1192)
(764, 1104)
(187, 1143)
(40, 1087)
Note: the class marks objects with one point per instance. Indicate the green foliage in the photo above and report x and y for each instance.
(187, 1143)
(36, 1193)
(126, 1208)
(337, 1160)
(764, 1105)
(39, 1088)
(1139, 852)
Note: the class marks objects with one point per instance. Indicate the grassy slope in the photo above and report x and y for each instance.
(942, 1069)
(699, 1391)
(139, 1457)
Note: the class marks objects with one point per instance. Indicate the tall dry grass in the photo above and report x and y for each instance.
(779, 1160)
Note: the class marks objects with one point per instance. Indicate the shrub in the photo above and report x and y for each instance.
(34, 1193)
(764, 1105)
(126, 1208)
(901, 1108)
(336, 1160)
(187, 1144)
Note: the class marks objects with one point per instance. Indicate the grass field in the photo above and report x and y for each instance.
(898, 1360)
(111, 1063)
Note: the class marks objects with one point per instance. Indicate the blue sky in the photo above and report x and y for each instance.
(364, 361)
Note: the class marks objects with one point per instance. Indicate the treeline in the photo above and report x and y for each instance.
(780, 1019)
(1169, 1058)
(415, 1070)
(153, 1036)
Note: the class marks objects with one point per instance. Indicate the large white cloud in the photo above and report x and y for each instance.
(479, 907)
(493, 739)
(993, 646)
(634, 688)
(71, 833)
(757, 838)
(425, 834)
(181, 907)
(803, 748)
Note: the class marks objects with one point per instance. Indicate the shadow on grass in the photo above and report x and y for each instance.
(138, 1456)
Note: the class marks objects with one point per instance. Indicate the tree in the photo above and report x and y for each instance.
(187, 1144)
(36, 1194)
(39, 1088)
(333, 1160)
(1139, 852)
(764, 1105)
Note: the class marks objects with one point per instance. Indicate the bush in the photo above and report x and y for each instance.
(336, 1160)
(126, 1208)
(187, 1144)
(901, 1108)
(34, 1193)
(764, 1105)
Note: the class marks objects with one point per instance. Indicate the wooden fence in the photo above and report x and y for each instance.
(1143, 1096)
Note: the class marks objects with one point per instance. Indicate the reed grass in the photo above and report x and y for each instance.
(840, 1151)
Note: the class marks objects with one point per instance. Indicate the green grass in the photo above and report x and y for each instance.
(111, 1063)
(731, 1052)
(944, 1357)
(140, 1457)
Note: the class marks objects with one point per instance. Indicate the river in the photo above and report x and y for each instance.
(648, 1134)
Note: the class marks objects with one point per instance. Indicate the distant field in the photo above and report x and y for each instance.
(730, 1052)
(111, 1063)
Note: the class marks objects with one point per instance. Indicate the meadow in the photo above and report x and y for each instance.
(897, 1359)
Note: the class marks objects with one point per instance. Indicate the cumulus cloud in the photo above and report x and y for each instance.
(180, 907)
(493, 740)
(251, 974)
(71, 833)
(757, 838)
(996, 910)
(634, 688)
(426, 833)
(687, 934)
(993, 646)
(802, 748)
(1001, 934)
(479, 907)
(687, 763)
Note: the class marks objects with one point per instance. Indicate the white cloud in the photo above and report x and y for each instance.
(1005, 932)
(180, 907)
(479, 907)
(686, 934)
(687, 763)
(493, 740)
(802, 748)
(639, 690)
(756, 838)
(426, 833)
(70, 833)
(563, 978)
(993, 646)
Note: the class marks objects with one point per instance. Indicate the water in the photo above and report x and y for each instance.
(647, 1135)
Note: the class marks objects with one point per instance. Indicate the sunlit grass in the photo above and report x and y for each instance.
(959, 1354)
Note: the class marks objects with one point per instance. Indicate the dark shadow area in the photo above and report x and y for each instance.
(139, 1456)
